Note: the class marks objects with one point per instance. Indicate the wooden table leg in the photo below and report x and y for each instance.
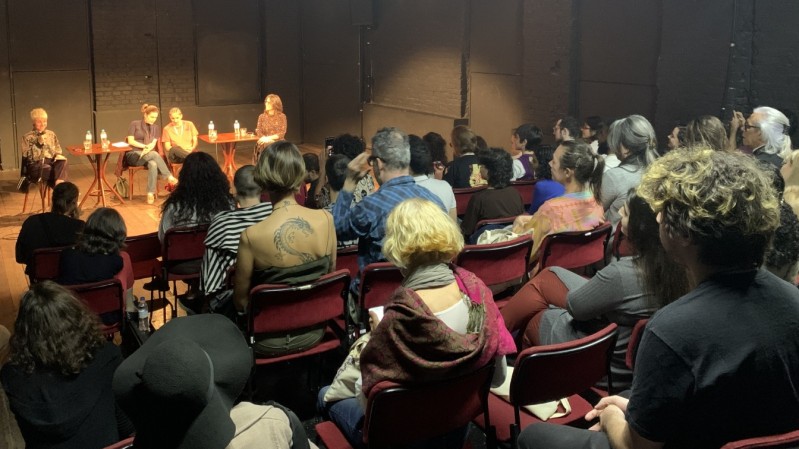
(229, 152)
(96, 180)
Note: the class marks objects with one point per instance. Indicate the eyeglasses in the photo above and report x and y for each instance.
(747, 126)
(371, 159)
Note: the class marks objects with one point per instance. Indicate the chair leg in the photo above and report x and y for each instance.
(514, 435)
(25, 201)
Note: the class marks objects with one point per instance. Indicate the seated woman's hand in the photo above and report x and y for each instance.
(263, 140)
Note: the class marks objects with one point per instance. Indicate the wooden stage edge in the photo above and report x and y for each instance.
(140, 218)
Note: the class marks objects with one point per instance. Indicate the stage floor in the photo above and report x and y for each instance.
(140, 218)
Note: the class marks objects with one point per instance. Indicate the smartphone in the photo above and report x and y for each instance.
(329, 145)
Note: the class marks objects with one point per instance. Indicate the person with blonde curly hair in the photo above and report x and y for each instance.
(442, 322)
(58, 378)
(730, 344)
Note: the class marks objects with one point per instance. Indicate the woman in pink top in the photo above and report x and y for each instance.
(579, 209)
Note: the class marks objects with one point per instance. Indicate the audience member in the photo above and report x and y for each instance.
(59, 227)
(421, 167)
(566, 129)
(438, 150)
(545, 188)
(579, 170)
(58, 379)
(293, 245)
(222, 241)
(634, 142)
(449, 306)
(499, 200)
(523, 141)
(782, 258)
(143, 136)
(349, 146)
(390, 160)
(676, 139)
(98, 254)
(312, 177)
(728, 345)
(336, 175)
(271, 127)
(595, 132)
(180, 137)
(765, 132)
(706, 131)
(558, 305)
(463, 171)
(43, 158)
(791, 177)
(180, 387)
(203, 192)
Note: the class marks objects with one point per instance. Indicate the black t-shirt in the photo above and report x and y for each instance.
(460, 170)
(45, 230)
(78, 267)
(720, 364)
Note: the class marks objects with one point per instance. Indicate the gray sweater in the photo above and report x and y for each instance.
(616, 182)
(614, 295)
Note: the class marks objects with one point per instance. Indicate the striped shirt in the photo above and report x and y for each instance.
(222, 243)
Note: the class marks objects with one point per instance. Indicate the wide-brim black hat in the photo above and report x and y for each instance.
(179, 387)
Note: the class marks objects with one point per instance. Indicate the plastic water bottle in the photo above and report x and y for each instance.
(211, 131)
(144, 315)
(236, 129)
(87, 141)
(104, 140)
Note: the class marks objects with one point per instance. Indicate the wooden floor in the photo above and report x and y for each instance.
(140, 218)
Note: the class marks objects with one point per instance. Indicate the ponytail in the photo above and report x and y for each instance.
(588, 167)
(596, 177)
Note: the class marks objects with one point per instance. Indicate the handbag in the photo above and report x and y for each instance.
(23, 184)
(343, 386)
(121, 186)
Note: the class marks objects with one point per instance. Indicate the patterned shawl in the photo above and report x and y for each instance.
(412, 345)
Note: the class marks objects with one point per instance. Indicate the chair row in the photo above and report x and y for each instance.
(462, 196)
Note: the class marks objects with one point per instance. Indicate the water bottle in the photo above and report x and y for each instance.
(211, 131)
(104, 140)
(87, 141)
(236, 129)
(144, 315)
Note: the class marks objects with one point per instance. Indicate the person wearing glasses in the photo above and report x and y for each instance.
(366, 221)
(766, 132)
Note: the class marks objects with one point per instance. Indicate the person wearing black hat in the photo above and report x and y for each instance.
(180, 387)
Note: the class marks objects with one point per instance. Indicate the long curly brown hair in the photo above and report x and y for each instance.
(54, 331)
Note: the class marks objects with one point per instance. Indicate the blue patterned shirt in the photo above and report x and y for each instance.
(366, 221)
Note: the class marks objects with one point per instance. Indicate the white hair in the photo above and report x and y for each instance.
(774, 125)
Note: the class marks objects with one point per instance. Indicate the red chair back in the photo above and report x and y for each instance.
(378, 282)
(104, 297)
(551, 372)
(281, 308)
(144, 251)
(498, 265)
(783, 440)
(526, 189)
(347, 259)
(124, 444)
(635, 340)
(47, 263)
(182, 244)
(575, 249)
(462, 197)
(621, 246)
(424, 410)
(495, 221)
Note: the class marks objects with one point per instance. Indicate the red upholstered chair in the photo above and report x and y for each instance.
(401, 414)
(621, 246)
(46, 263)
(105, 298)
(347, 259)
(283, 308)
(548, 373)
(462, 197)
(180, 246)
(501, 266)
(145, 256)
(378, 282)
(526, 189)
(124, 444)
(783, 440)
(635, 340)
(572, 250)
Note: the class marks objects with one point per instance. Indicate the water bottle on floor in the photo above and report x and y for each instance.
(144, 315)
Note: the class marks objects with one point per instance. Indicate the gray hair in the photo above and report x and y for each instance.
(636, 134)
(774, 126)
(392, 146)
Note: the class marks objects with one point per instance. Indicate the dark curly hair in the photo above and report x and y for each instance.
(437, 145)
(104, 232)
(54, 331)
(529, 133)
(202, 191)
(662, 277)
(348, 145)
(499, 166)
(421, 159)
(784, 251)
(543, 154)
